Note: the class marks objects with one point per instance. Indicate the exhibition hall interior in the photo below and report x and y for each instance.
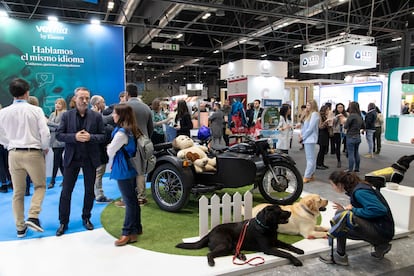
(281, 54)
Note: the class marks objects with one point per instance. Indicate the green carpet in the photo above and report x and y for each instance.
(163, 230)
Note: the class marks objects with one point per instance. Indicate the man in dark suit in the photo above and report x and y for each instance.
(82, 130)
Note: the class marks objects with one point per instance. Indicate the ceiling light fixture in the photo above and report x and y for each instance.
(297, 46)
(243, 40)
(179, 36)
(95, 22)
(52, 18)
(216, 51)
(206, 15)
(263, 55)
(149, 57)
(3, 13)
(111, 5)
(396, 39)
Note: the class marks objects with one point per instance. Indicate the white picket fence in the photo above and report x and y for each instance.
(226, 210)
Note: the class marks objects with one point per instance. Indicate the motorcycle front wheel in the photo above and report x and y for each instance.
(286, 188)
(168, 189)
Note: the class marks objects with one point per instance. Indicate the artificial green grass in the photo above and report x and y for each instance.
(163, 230)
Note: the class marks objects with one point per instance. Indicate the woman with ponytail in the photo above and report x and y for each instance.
(371, 215)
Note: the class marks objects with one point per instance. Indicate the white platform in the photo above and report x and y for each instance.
(401, 202)
(93, 253)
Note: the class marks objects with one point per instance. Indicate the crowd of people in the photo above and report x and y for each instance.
(88, 138)
(85, 136)
(334, 128)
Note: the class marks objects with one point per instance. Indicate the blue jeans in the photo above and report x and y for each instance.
(310, 159)
(352, 146)
(370, 139)
(132, 221)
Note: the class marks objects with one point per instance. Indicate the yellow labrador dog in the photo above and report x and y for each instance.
(303, 217)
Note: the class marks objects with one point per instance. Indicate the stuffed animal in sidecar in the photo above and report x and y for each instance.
(196, 153)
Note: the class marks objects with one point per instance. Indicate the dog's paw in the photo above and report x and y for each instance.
(310, 237)
(241, 256)
(210, 261)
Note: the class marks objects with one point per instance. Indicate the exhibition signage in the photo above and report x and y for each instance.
(272, 102)
(56, 58)
(165, 46)
(339, 59)
(312, 61)
(252, 67)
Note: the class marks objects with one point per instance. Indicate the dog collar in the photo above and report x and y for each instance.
(261, 224)
(401, 167)
(307, 210)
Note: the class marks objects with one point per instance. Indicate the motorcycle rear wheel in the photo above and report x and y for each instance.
(287, 189)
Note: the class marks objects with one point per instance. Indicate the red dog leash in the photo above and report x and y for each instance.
(238, 247)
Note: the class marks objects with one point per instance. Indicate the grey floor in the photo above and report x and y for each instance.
(399, 261)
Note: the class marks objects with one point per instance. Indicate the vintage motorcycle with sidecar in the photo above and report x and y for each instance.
(251, 162)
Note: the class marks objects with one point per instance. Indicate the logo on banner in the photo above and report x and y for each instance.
(310, 61)
(52, 32)
(363, 55)
(265, 67)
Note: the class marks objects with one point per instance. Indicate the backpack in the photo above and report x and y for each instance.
(143, 160)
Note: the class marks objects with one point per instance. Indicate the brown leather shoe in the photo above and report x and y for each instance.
(123, 240)
(133, 238)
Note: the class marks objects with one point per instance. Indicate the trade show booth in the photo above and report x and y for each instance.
(400, 127)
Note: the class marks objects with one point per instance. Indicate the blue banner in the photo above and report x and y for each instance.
(272, 102)
(55, 58)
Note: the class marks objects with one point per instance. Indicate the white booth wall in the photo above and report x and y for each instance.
(363, 93)
(260, 87)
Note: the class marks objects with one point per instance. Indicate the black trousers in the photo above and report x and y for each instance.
(337, 145)
(320, 159)
(157, 138)
(377, 139)
(57, 161)
(4, 165)
(70, 176)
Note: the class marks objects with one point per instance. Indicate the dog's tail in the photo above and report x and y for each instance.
(194, 245)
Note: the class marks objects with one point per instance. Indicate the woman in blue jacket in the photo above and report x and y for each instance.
(372, 218)
(309, 137)
(123, 144)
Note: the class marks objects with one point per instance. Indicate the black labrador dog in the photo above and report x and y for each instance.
(260, 236)
(394, 173)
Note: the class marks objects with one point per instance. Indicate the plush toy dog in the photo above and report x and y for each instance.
(196, 153)
(395, 173)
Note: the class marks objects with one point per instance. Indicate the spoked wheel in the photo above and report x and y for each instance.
(168, 189)
(286, 188)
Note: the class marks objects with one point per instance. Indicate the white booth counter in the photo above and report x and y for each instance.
(405, 128)
(398, 128)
